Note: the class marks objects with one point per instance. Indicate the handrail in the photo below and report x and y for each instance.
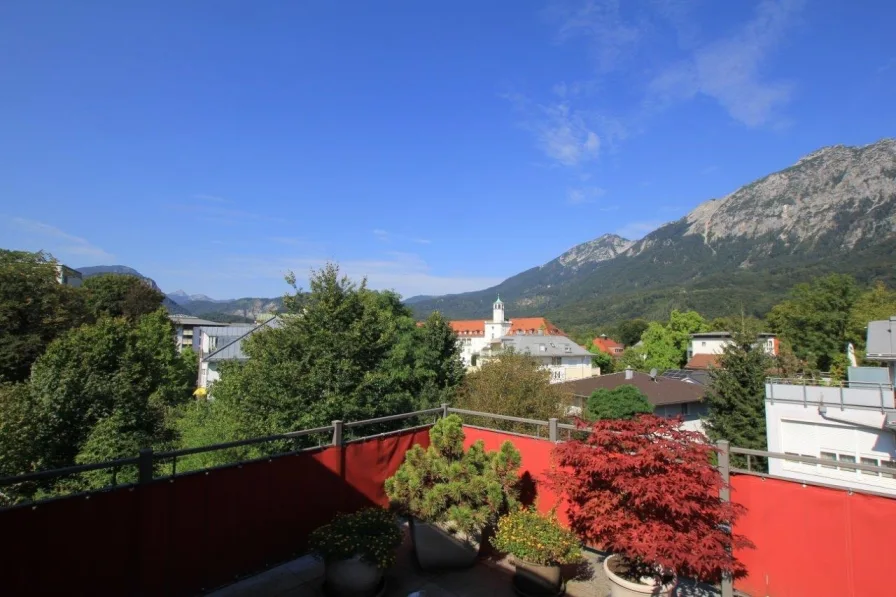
(808, 381)
(239, 442)
(416, 413)
(475, 413)
(70, 470)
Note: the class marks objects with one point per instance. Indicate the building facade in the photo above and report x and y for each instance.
(218, 344)
(68, 276)
(185, 331)
(609, 346)
(850, 422)
(706, 347)
(476, 335)
(565, 359)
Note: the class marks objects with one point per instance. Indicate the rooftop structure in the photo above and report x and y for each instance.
(225, 343)
(608, 346)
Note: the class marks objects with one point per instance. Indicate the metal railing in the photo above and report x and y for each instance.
(862, 395)
(812, 381)
(147, 459)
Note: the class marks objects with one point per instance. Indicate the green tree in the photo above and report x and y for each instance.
(623, 402)
(736, 395)
(660, 347)
(601, 359)
(34, 309)
(348, 353)
(512, 384)
(875, 304)
(119, 295)
(127, 372)
(628, 333)
(815, 320)
(681, 325)
(17, 430)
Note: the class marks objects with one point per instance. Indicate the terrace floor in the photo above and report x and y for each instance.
(489, 578)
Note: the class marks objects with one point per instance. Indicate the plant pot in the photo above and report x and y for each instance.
(353, 578)
(436, 548)
(534, 580)
(620, 587)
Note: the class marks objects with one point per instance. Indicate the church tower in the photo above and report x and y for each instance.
(498, 311)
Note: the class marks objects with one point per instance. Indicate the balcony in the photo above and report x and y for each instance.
(844, 394)
(188, 533)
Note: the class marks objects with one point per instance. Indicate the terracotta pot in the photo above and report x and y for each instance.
(536, 580)
(620, 587)
(352, 578)
(437, 548)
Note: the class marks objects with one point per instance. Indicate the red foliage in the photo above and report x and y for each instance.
(647, 490)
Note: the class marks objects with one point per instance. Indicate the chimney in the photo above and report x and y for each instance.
(629, 374)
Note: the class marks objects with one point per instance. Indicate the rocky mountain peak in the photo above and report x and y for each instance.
(602, 248)
(845, 190)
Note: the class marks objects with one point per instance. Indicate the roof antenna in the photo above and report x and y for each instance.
(653, 373)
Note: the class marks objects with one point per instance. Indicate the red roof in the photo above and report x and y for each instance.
(608, 346)
(703, 361)
(518, 325)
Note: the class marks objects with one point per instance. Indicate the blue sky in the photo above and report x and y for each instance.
(434, 147)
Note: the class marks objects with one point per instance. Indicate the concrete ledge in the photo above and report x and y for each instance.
(297, 577)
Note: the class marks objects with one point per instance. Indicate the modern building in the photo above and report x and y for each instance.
(475, 335)
(185, 330)
(218, 344)
(609, 346)
(669, 397)
(846, 423)
(706, 347)
(565, 359)
(68, 276)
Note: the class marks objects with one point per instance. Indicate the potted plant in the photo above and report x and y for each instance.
(451, 495)
(539, 545)
(357, 548)
(647, 491)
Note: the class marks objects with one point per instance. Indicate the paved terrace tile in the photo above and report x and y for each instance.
(489, 578)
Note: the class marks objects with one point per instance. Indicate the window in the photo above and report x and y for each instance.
(685, 409)
(872, 462)
(889, 464)
(703, 344)
(212, 343)
(828, 456)
(556, 361)
(848, 458)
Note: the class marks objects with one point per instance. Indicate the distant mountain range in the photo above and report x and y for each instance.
(832, 211)
(200, 305)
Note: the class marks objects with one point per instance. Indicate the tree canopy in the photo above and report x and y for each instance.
(34, 309)
(121, 295)
(622, 402)
(628, 333)
(346, 353)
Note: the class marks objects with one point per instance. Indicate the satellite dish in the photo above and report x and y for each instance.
(653, 373)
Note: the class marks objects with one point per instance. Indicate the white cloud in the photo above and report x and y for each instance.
(421, 241)
(640, 229)
(381, 235)
(564, 135)
(60, 243)
(612, 39)
(580, 195)
(406, 273)
(729, 69)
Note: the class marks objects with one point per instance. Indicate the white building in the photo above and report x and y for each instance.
(218, 344)
(68, 276)
(565, 359)
(476, 335)
(850, 422)
(706, 347)
(185, 330)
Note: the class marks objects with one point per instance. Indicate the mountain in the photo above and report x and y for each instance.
(242, 307)
(832, 211)
(182, 297)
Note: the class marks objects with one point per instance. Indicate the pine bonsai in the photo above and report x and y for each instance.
(464, 491)
(646, 490)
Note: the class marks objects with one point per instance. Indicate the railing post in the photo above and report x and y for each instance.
(337, 433)
(725, 495)
(444, 410)
(144, 466)
(553, 430)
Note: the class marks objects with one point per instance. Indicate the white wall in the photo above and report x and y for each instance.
(798, 429)
(709, 345)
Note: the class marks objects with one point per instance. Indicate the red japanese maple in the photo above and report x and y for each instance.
(647, 490)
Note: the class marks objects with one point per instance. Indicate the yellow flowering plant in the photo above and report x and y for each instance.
(536, 538)
(371, 533)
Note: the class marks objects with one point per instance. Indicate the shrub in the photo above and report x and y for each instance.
(646, 490)
(623, 402)
(465, 491)
(532, 537)
(372, 534)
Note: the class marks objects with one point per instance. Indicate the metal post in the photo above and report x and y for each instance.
(337, 433)
(553, 430)
(444, 410)
(144, 466)
(725, 496)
